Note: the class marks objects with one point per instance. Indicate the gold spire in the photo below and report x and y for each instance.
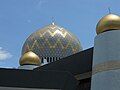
(109, 10)
(53, 21)
(108, 23)
(30, 58)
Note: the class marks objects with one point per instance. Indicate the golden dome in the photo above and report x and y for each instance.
(52, 42)
(30, 58)
(107, 23)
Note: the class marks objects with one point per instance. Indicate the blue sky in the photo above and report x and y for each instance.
(20, 18)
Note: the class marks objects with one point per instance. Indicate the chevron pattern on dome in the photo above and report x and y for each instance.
(58, 42)
(52, 34)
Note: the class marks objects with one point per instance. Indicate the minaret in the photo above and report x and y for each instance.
(29, 61)
(106, 56)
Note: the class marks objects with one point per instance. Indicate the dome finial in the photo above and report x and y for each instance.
(109, 9)
(53, 21)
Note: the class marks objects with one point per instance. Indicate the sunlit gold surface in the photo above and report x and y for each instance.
(30, 58)
(52, 34)
(107, 23)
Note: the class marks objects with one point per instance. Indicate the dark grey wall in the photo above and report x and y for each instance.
(37, 79)
(76, 64)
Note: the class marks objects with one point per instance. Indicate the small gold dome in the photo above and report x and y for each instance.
(107, 23)
(30, 58)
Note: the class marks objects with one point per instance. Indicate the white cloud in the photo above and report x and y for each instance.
(40, 3)
(4, 54)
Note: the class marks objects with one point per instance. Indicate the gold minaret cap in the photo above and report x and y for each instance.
(108, 23)
(30, 58)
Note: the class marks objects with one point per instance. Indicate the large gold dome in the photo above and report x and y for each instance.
(107, 23)
(52, 42)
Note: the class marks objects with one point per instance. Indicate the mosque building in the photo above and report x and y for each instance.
(50, 43)
(53, 59)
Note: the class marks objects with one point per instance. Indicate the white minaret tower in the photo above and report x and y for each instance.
(106, 56)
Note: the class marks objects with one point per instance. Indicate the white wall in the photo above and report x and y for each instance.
(106, 61)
